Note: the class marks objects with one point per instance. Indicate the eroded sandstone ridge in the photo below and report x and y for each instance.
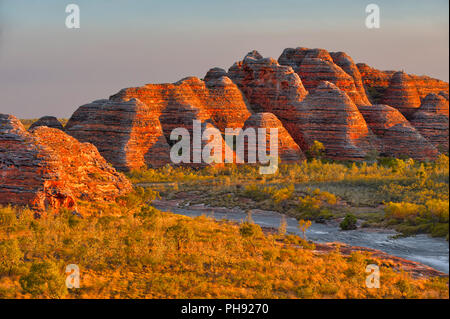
(398, 137)
(270, 87)
(217, 98)
(48, 168)
(376, 82)
(432, 120)
(288, 150)
(317, 65)
(315, 95)
(328, 115)
(402, 94)
(127, 133)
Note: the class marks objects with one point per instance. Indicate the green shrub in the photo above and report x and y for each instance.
(44, 279)
(181, 233)
(10, 256)
(349, 222)
(7, 216)
(317, 150)
(248, 230)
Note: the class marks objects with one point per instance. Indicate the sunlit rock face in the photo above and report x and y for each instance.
(46, 168)
(397, 136)
(376, 82)
(288, 150)
(126, 133)
(402, 94)
(217, 98)
(315, 95)
(317, 65)
(329, 116)
(270, 87)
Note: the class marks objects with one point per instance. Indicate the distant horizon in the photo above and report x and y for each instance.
(47, 69)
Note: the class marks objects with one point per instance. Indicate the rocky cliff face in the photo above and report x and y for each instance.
(270, 87)
(288, 150)
(376, 82)
(317, 65)
(398, 137)
(432, 120)
(315, 95)
(48, 168)
(127, 133)
(49, 121)
(348, 65)
(402, 94)
(217, 98)
(329, 116)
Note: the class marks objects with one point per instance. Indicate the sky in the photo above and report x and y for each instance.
(47, 69)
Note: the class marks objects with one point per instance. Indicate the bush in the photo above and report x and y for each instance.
(10, 256)
(349, 222)
(7, 216)
(181, 233)
(44, 279)
(317, 150)
(248, 230)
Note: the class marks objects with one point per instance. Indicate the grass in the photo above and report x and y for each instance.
(319, 190)
(129, 249)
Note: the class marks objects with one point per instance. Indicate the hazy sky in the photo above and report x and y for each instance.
(47, 69)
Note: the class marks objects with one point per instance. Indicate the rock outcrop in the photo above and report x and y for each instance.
(317, 65)
(128, 134)
(426, 85)
(402, 94)
(376, 82)
(348, 65)
(329, 116)
(49, 121)
(398, 137)
(270, 87)
(288, 150)
(432, 120)
(436, 104)
(315, 94)
(46, 168)
(217, 98)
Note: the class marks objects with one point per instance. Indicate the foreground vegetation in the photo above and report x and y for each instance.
(129, 249)
(409, 196)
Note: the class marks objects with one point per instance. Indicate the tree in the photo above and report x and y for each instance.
(303, 225)
(349, 222)
(317, 150)
(283, 226)
(10, 256)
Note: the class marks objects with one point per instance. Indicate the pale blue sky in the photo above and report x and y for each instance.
(46, 69)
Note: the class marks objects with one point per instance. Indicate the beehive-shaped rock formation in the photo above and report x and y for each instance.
(46, 168)
(398, 137)
(127, 133)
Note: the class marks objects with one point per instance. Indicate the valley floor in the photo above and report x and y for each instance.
(129, 249)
